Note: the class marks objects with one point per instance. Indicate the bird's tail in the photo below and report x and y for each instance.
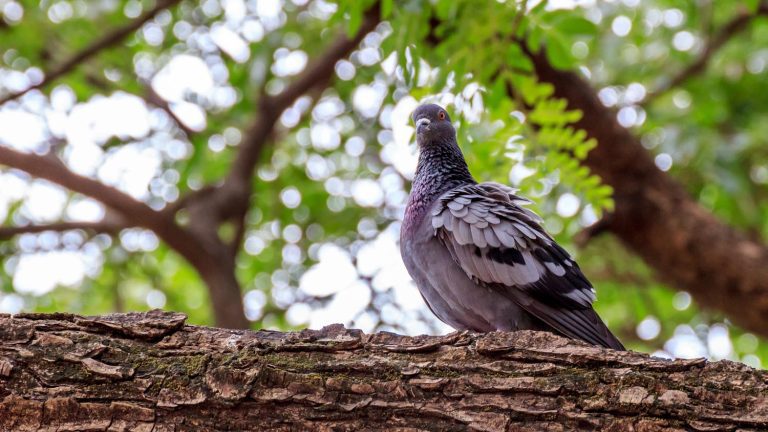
(610, 340)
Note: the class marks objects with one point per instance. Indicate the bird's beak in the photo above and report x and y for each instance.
(422, 124)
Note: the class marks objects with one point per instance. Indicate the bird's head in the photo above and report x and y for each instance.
(432, 124)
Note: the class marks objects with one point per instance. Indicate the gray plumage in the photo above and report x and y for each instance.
(480, 259)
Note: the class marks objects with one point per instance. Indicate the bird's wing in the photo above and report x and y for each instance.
(501, 244)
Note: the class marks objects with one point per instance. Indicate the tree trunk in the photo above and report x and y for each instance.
(151, 372)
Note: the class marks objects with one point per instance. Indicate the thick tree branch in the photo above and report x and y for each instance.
(151, 372)
(200, 244)
(735, 26)
(225, 292)
(108, 40)
(230, 201)
(53, 170)
(97, 227)
(722, 268)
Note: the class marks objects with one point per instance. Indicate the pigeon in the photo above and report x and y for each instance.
(479, 257)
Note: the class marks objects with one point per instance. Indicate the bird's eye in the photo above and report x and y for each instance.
(441, 115)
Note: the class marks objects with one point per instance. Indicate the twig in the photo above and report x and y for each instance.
(108, 40)
(519, 15)
(99, 227)
(153, 98)
(735, 26)
(583, 237)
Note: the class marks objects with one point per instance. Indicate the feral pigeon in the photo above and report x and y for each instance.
(480, 259)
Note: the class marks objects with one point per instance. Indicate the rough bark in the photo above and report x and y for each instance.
(722, 268)
(151, 372)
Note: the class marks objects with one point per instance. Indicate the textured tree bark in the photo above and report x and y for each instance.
(722, 268)
(151, 372)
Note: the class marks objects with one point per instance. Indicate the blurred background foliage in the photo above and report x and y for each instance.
(161, 114)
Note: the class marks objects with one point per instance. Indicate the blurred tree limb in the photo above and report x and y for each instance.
(198, 241)
(150, 371)
(152, 98)
(231, 199)
(722, 268)
(139, 214)
(107, 41)
(101, 226)
(736, 25)
(50, 168)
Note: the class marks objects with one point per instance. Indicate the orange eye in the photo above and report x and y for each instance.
(441, 115)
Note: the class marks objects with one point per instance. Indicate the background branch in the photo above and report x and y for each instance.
(200, 243)
(231, 199)
(317, 75)
(108, 40)
(225, 292)
(52, 169)
(151, 97)
(737, 25)
(102, 226)
(210, 207)
(656, 218)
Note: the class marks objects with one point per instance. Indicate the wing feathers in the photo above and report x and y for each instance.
(478, 238)
(491, 239)
(501, 245)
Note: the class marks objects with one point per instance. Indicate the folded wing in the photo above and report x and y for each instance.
(501, 245)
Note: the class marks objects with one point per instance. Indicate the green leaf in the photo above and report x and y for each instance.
(355, 18)
(559, 52)
(517, 59)
(576, 25)
(534, 39)
(570, 24)
(386, 8)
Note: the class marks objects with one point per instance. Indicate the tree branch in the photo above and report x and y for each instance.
(225, 292)
(150, 371)
(316, 75)
(53, 170)
(735, 26)
(656, 218)
(200, 243)
(152, 98)
(231, 199)
(97, 227)
(108, 40)
(583, 237)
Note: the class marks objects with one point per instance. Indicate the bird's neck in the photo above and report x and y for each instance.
(441, 168)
